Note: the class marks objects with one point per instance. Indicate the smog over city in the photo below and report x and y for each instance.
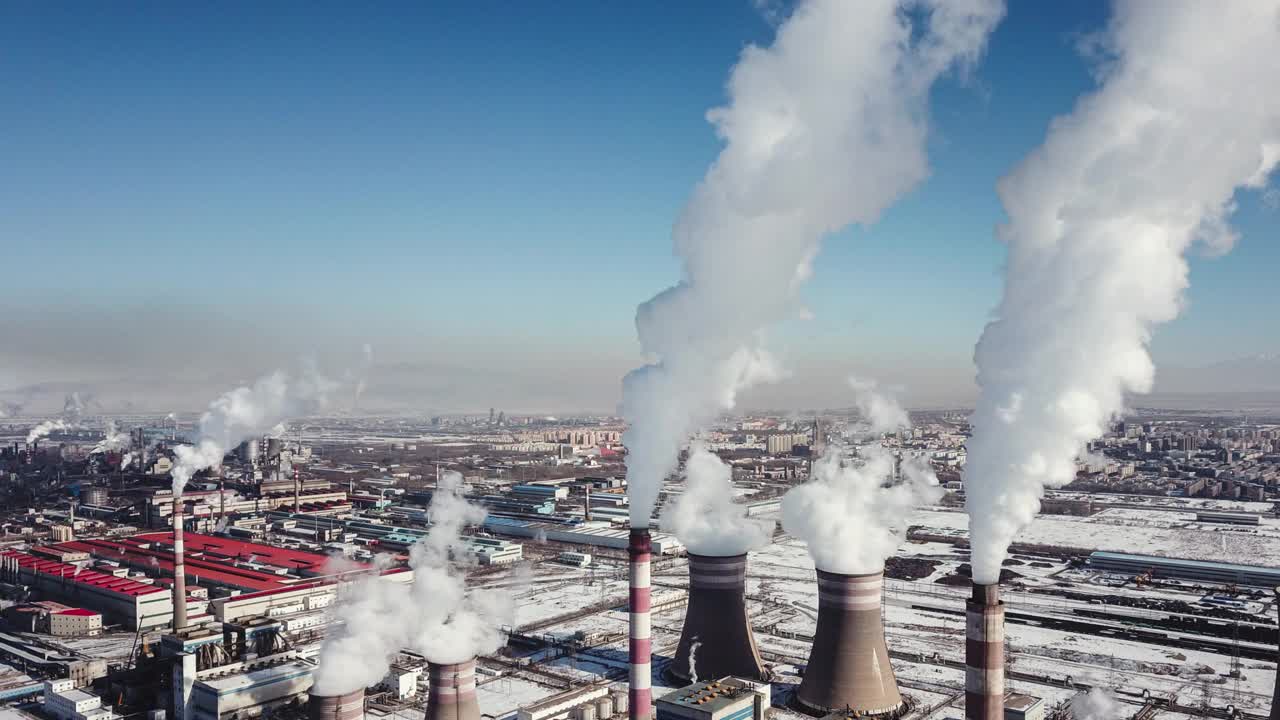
(741, 359)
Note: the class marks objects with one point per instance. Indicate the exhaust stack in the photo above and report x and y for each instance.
(451, 694)
(179, 569)
(336, 707)
(716, 620)
(640, 698)
(984, 654)
(849, 664)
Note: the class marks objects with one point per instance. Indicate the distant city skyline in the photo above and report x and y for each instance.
(193, 200)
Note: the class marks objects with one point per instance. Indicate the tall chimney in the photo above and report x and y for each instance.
(640, 698)
(349, 706)
(984, 654)
(586, 510)
(451, 694)
(849, 664)
(179, 569)
(1275, 695)
(717, 637)
(297, 489)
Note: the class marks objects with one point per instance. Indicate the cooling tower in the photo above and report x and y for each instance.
(336, 707)
(849, 664)
(984, 654)
(717, 635)
(1275, 695)
(451, 694)
(179, 570)
(640, 697)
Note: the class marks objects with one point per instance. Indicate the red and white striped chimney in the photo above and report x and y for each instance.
(640, 699)
(451, 693)
(984, 654)
(179, 569)
(1275, 695)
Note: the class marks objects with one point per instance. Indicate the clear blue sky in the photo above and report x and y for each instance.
(481, 185)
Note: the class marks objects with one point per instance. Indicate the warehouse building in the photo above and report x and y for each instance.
(128, 602)
(724, 699)
(583, 534)
(248, 689)
(1199, 570)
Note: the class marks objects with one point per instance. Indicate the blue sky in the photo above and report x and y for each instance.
(481, 185)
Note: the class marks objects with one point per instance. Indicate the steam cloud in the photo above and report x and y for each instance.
(362, 381)
(112, 439)
(704, 516)
(435, 617)
(853, 512)
(1096, 704)
(46, 427)
(1101, 217)
(247, 412)
(823, 129)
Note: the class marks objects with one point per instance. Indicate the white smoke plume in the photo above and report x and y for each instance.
(245, 413)
(43, 429)
(823, 129)
(880, 410)
(1101, 218)
(853, 513)
(362, 378)
(436, 617)
(127, 460)
(112, 439)
(1097, 704)
(705, 518)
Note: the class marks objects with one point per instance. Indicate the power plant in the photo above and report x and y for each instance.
(984, 654)
(640, 675)
(848, 666)
(717, 640)
(451, 694)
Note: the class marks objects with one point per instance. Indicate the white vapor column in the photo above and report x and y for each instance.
(1102, 217)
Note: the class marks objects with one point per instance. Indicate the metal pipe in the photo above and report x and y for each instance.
(640, 696)
(984, 654)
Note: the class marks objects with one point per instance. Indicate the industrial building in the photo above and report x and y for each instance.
(247, 689)
(1199, 570)
(593, 535)
(724, 699)
(130, 603)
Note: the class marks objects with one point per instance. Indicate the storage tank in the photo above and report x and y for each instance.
(604, 709)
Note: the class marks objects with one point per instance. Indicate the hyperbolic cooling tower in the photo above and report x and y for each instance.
(984, 654)
(451, 694)
(640, 696)
(336, 707)
(849, 663)
(716, 620)
(179, 569)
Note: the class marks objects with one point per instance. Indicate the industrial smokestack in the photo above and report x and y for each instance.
(297, 491)
(716, 621)
(849, 664)
(640, 698)
(984, 654)
(179, 570)
(452, 691)
(348, 706)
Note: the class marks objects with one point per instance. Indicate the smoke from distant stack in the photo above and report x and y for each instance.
(1101, 219)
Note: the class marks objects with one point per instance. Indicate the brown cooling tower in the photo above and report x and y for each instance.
(717, 635)
(451, 694)
(849, 664)
(984, 654)
(336, 707)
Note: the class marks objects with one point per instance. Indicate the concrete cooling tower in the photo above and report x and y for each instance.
(717, 640)
(984, 654)
(451, 694)
(849, 664)
(336, 707)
